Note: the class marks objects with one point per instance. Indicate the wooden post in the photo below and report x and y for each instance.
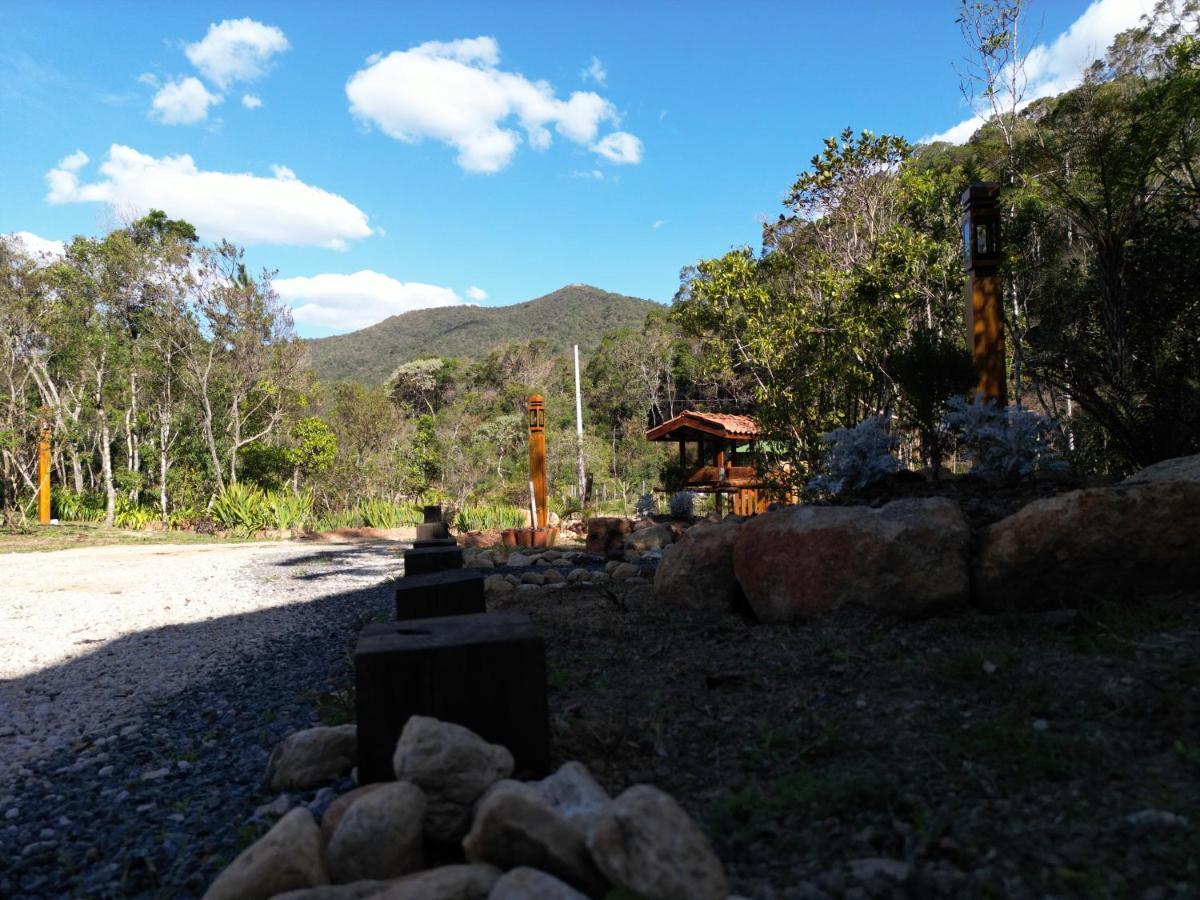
(537, 455)
(985, 294)
(44, 471)
(580, 465)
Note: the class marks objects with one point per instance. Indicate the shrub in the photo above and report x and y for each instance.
(929, 370)
(646, 506)
(857, 457)
(683, 504)
(130, 514)
(378, 513)
(1005, 441)
(71, 507)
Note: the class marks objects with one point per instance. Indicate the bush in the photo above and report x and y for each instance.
(857, 457)
(646, 507)
(71, 507)
(377, 513)
(683, 505)
(930, 370)
(1005, 441)
(130, 514)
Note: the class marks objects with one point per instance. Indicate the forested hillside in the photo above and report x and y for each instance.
(575, 314)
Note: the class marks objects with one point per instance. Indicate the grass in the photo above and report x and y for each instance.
(86, 534)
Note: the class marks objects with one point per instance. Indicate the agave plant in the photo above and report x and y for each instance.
(242, 508)
(288, 510)
(489, 517)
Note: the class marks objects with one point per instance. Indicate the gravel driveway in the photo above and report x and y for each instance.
(140, 690)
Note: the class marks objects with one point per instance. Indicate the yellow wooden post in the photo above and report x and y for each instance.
(537, 456)
(985, 297)
(44, 473)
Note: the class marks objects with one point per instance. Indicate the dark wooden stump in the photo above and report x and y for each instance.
(423, 560)
(485, 672)
(432, 514)
(455, 592)
(432, 531)
(435, 542)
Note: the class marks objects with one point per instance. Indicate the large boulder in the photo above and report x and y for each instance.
(653, 538)
(459, 882)
(1181, 468)
(646, 844)
(697, 571)
(1120, 542)
(453, 766)
(355, 890)
(379, 835)
(515, 826)
(909, 557)
(286, 858)
(605, 535)
(314, 756)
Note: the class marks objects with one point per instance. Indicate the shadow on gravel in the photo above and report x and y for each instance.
(155, 802)
(391, 563)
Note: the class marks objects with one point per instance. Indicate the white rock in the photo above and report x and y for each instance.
(552, 576)
(519, 559)
(286, 858)
(533, 578)
(515, 826)
(625, 570)
(577, 575)
(646, 843)
(379, 835)
(524, 883)
(311, 757)
(574, 794)
(453, 766)
(497, 584)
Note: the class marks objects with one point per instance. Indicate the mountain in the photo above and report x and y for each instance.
(576, 314)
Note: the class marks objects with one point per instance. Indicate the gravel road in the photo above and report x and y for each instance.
(140, 691)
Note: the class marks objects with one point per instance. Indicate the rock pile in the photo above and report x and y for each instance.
(562, 837)
(917, 556)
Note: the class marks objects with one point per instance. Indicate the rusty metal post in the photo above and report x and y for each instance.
(44, 471)
(537, 455)
(984, 289)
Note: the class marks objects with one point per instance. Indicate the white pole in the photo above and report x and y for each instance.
(582, 474)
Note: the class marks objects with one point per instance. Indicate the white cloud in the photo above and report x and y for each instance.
(242, 207)
(455, 93)
(251, 101)
(1059, 66)
(619, 147)
(39, 248)
(594, 174)
(658, 223)
(594, 71)
(349, 302)
(183, 102)
(236, 50)
(477, 293)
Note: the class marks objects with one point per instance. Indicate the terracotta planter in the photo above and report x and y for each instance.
(509, 537)
(544, 537)
(524, 537)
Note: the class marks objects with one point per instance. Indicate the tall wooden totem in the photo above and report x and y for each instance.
(537, 456)
(44, 470)
(985, 293)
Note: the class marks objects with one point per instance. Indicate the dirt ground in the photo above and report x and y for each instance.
(971, 756)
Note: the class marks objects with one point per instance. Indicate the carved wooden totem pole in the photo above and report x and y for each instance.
(537, 457)
(985, 294)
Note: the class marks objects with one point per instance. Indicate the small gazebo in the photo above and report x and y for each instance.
(720, 464)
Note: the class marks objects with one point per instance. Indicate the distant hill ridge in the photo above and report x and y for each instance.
(575, 314)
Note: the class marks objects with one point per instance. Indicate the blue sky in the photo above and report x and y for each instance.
(386, 156)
